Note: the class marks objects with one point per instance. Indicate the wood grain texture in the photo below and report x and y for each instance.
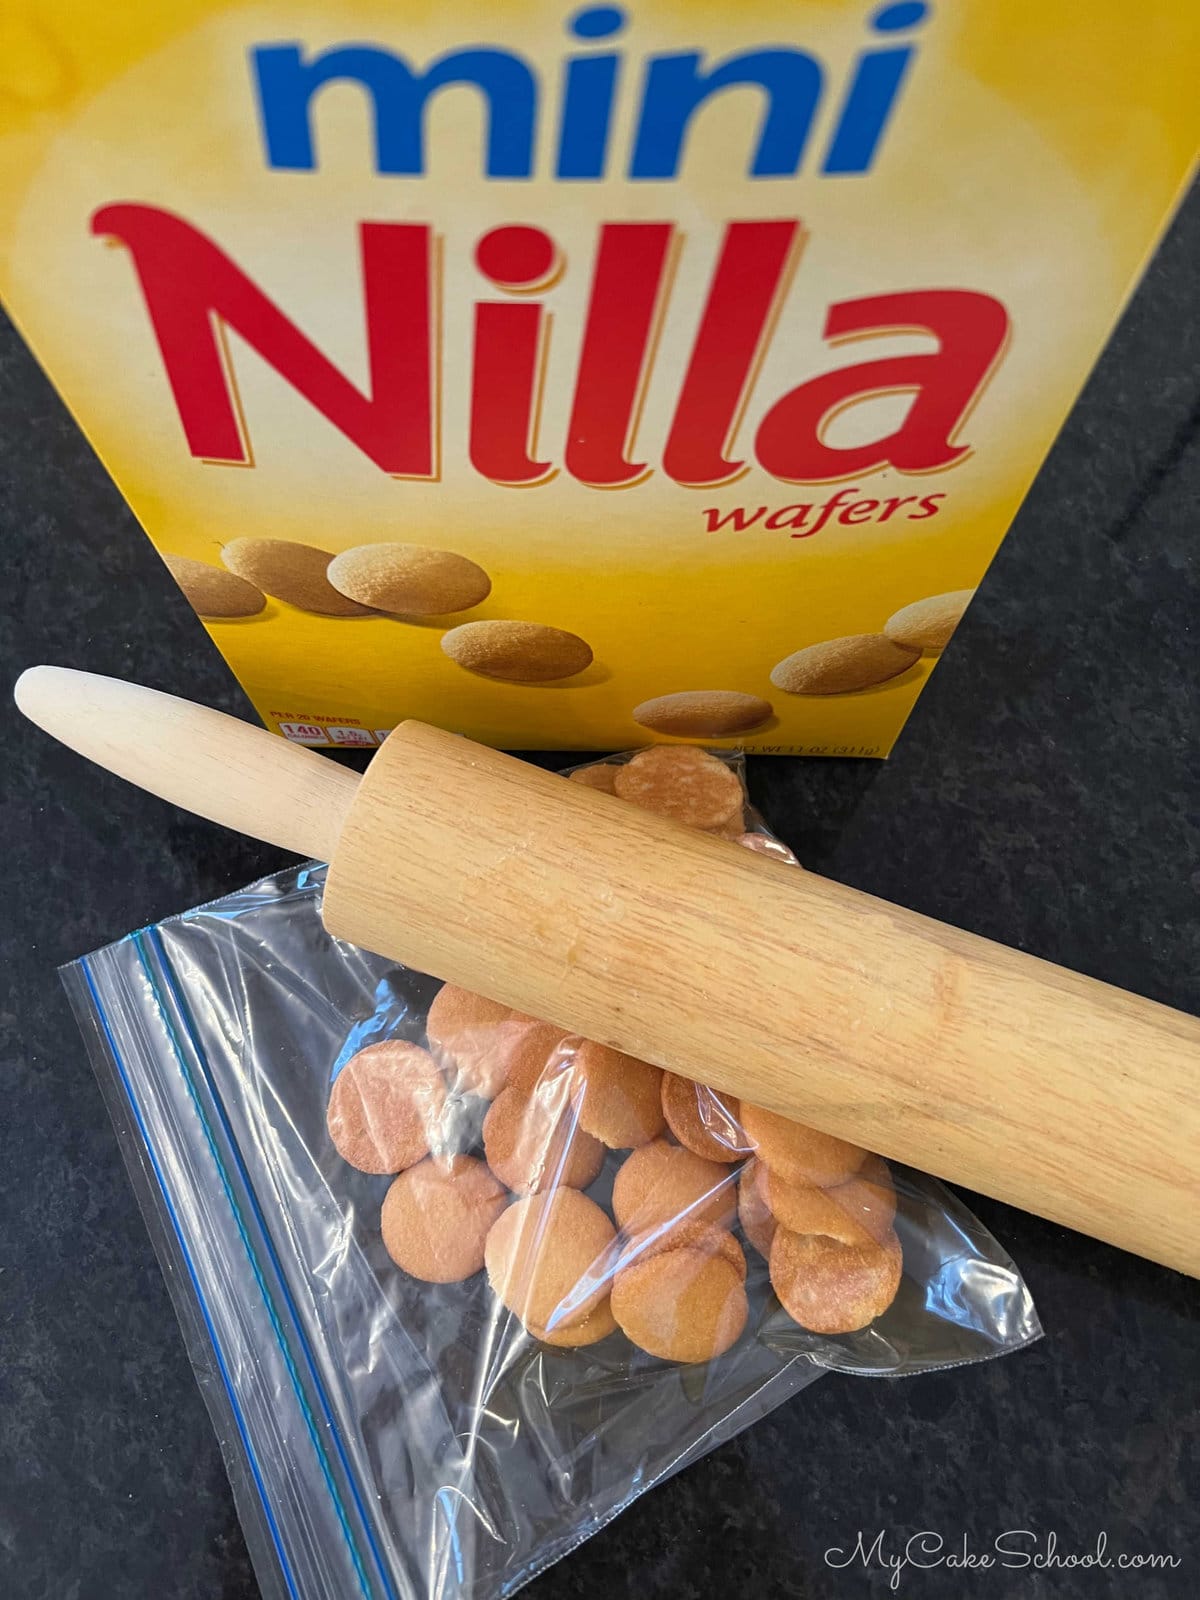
(985, 1066)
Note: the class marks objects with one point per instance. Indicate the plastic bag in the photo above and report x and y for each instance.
(387, 1436)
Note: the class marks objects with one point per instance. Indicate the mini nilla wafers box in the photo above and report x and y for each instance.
(515, 366)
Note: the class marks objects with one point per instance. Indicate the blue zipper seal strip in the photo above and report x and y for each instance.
(355, 1556)
(326, 1410)
(239, 1419)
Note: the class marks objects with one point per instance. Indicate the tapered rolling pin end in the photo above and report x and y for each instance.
(39, 689)
(208, 763)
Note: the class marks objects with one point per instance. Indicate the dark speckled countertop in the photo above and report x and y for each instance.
(1046, 794)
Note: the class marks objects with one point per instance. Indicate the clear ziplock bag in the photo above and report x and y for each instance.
(387, 1436)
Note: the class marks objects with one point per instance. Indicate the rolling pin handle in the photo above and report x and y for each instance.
(217, 766)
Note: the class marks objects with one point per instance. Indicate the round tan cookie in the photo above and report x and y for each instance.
(869, 1196)
(853, 1212)
(534, 1054)
(293, 573)
(665, 1186)
(517, 652)
(928, 624)
(703, 1121)
(531, 1142)
(731, 830)
(619, 1097)
(212, 592)
(437, 1215)
(409, 580)
(602, 777)
(703, 713)
(754, 1213)
(549, 1259)
(681, 782)
(828, 1287)
(385, 1107)
(800, 1154)
(597, 1325)
(842, 666)
(765, 845)
(471, 1036)
(701, 1236)
(486, 1045)
(684, 1305)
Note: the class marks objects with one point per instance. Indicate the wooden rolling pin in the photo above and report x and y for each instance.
(990, 1068)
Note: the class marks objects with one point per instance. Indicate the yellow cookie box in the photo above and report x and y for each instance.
(675, 348)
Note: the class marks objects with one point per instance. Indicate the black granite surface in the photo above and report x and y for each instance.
(1045, 794)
